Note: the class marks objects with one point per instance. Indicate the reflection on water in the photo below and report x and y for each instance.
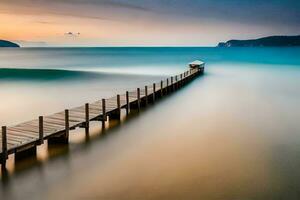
(231, 134)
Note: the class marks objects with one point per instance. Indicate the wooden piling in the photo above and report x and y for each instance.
(127, 102)
(161, 88)
(104, 117)
(103, 111)
(172, 84)
(138, 99)
(67, 125)
(87, 116)
(116, 114)
(186, 76)
(180, 80)
(4, 146)
(167, 88)
(146, 95)
(154, 92)
(41, 130)
(119, 103)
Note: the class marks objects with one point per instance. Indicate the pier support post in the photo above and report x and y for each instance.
(146, 95)
(61, 139)
(137, 103)
(154, 85)
(119, 105)
(161, 88)
(117, 113)
(104, 117)
(29, 152)
(176, 84)
(41, 130)
(87, 116)
(4, 146)
(187, 76)
(167, 88)
(67, 124)
(172, 84)
(202, 70)
(127, 103)
(181, 80)
(138, 99)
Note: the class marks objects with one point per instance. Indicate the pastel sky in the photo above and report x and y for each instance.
(144, 23)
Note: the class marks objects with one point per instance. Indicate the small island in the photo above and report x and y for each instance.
(5, 43)
(272, 41)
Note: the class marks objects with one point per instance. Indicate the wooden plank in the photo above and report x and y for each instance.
(22, 134)
(47, 127)
(82, 113)
(14, 139)
(17, 141)
(24, 127)
(54, 121)
(74, 119)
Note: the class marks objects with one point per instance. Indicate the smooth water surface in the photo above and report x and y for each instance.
(230, 134)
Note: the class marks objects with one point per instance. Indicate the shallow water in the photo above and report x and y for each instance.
(230, 134)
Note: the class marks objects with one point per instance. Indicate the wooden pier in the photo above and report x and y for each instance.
(55, 128)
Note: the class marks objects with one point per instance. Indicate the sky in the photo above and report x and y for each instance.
(144, 23)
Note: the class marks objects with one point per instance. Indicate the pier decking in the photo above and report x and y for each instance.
(55, 128)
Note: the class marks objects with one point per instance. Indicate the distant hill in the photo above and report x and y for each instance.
(272, 41)
(4, 43)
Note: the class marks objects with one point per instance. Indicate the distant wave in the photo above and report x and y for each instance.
(45, 74)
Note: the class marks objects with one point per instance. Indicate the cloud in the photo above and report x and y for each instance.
(72, 34)
(75, 8)
(272, 12)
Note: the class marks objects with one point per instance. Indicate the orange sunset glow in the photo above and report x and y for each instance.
(120, 23)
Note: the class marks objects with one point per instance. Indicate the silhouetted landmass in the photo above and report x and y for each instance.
(272, 41)
(4, 43)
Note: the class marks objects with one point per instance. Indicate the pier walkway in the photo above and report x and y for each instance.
(55, 128)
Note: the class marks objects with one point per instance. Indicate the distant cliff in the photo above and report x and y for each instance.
(4, 43)
(272, 41)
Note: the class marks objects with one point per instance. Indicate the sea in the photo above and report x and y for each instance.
(231, 134)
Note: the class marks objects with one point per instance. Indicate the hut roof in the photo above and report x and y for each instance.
(196, 62)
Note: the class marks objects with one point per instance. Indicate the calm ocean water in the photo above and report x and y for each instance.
(231, 134)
